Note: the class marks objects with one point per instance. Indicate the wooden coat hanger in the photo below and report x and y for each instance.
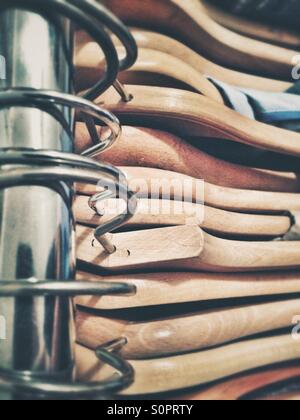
(254, 29)
(193, 115)
(150, 68)
(168, 45)
(184, 334)
(148, 183)
(174, 288)
(238, 388)
(189, 370)
(184, 248)
(163, 213)
(189, 21)
(88, 58)
(156, 149)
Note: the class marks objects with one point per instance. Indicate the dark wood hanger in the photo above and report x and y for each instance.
(189, 21)
(157, 149)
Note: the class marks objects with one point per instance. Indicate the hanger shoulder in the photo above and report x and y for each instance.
(223, 255)
(191, 114)
(185, 371)
(194, 190)
(177, 335)
(157, 149)
(163, 213)
(157, 64)
(254, 29)
(192, 24)
(186, 248)
(163, 43)
(171, 288)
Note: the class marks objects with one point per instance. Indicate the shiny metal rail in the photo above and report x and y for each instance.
(36, 226)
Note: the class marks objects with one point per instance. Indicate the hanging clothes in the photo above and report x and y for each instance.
(280, 109)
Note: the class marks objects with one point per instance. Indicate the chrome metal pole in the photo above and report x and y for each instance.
(36, 226)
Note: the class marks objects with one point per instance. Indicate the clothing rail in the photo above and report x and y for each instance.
(37, 253)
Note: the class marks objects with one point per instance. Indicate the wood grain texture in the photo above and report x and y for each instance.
(185, 371)
(163, 213)
(173, 288)
(185, 248)
(169, 245)
(189, 21)
(254, 29)
(191, 114)
(157, 149)
(163, 43)
(148, 40)
(184, 334)
(150, 183)
(235, 389)
(152, 63)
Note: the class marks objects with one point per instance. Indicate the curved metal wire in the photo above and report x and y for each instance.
(97, 174)
(44, 167)
(115, 25)
(79, 169)
(31, 384)
(89, 25)
(91, 16)
(44, 98)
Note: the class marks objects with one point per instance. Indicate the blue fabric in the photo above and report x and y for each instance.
(280, 109)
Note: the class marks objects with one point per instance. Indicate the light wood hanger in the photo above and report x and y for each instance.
(173, 288)
(254, 29)
(189, 21)
(185, 371)
(156, 149)
(184, 334)
(238, 388)
(184, 248)
(163, 213)
(191, 114)
(87, 58)
(148, 183)
(163, 43)
(150, 64)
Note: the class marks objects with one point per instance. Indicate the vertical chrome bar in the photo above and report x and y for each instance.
(36, 226)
